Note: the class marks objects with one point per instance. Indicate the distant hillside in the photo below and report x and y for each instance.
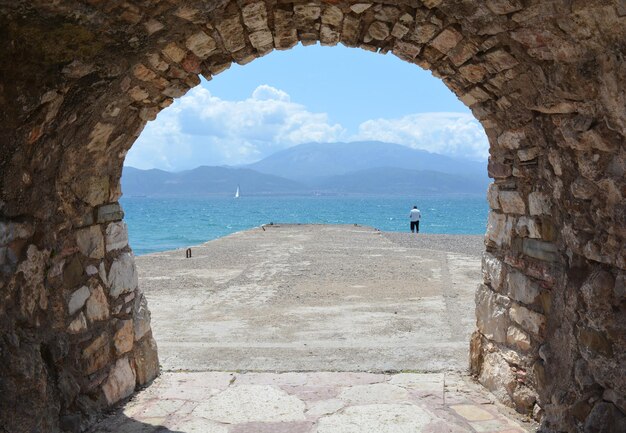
(203, 181)
(312, 161)
(391, 180)
(329, 168)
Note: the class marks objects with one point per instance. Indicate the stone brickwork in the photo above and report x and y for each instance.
(80, 78)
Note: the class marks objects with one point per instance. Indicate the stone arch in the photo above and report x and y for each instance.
(80, 78)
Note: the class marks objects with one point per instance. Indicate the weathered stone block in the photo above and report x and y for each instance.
(78, 325)
(93, 190)
(90, 242)
(97, 306)
(521, 288)
(138, 94)
(329, 36)
(116, 236)
(595, 342)
(378, 30)
(262, 40)
(473, 73)
(146, 361)
(424, 33)
(491, 314)
(173, 52)
(499, 60)
(527, 319)
(141, 318)
(142, 73)
(493, 271)
(499, 229)
(109, 212)
(405, 50)
(463, 52)
(496, 376)
(399, 30)
(306, 13)
(232, 33)
(528, 227)
(11, 231)
(528, 154)
(201, 44)
(539, 204)
(122, 275)
(583, 189)
(511, 202)
(517, 337)
(332, 15)
(255, 16)
(97, 354)
(32, 293)
(499, 170)
(541, 250)
(77, 300)
(605, 417)
(124, 337)
(446, 40)
(120, 383)
(359, 8)
(504, 7)
(511, 139)
(153, 26)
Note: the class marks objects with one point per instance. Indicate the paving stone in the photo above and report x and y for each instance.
(324, 407)
(249, 403)
(472, 412)
(376, 393)
(272, 427)
(200, 425)
(379, 418)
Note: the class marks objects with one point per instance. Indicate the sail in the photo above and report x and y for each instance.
(237, 192)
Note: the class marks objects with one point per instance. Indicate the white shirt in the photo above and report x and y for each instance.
(415, 215)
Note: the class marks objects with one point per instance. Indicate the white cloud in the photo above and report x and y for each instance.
(202, 129)
(452, 134)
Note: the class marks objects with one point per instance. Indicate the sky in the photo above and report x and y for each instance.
(308, 94)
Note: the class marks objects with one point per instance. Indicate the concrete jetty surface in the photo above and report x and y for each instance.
(345, 303)
(315, 298)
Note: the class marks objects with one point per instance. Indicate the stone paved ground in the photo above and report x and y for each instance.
(314, 298)
(319, 402)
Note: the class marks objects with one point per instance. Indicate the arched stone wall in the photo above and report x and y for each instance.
(80, 78)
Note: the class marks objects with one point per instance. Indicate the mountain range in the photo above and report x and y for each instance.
(320, 168)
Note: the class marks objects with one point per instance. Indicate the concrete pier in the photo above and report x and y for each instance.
(315, 298)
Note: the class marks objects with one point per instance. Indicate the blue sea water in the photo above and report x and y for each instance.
(159, 224)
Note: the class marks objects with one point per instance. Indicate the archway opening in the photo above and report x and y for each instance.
(270, 292)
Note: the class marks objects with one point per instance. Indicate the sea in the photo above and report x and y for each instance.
(160, 224)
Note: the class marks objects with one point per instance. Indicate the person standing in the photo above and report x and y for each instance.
(415, 217)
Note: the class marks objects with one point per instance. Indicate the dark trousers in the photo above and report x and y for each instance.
(415, 226)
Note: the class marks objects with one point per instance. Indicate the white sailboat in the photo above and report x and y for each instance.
(237, 192)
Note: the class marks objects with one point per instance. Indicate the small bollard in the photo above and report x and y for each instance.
(188, 253)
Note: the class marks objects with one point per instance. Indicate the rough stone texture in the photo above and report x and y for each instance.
(97, 306)
(224, 402)
(120, 383)
(77, 300)
(122, 275)
(544, 78)
(116, 236)
(90, 242)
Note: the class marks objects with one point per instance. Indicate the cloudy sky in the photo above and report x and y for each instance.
(308, 94)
